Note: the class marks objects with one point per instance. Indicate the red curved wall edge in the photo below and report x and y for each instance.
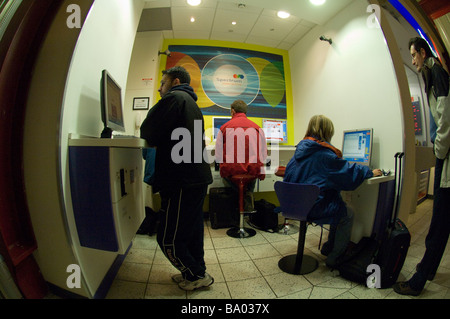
(20, 47)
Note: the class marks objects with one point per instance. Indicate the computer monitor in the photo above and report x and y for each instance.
(217, 124)
(275, 130)
(357, 146)
(111, 105)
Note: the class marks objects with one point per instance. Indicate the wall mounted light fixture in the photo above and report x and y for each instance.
(167, 52)
(322, 38)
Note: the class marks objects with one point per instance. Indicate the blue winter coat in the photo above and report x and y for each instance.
(315, 164)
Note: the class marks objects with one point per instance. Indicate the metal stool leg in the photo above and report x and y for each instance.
(288, 229)
(241, 231)
(299, 264)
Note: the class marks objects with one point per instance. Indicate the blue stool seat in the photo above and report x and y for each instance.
(296, 201)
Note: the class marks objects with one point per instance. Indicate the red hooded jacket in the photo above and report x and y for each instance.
(241, 148)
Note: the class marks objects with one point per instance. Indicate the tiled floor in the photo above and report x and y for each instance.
(248, 268)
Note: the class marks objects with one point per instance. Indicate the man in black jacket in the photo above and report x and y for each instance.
(437, 85)
(175, 127)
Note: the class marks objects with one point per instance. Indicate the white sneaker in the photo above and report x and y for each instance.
(178, 278)
(196, 284)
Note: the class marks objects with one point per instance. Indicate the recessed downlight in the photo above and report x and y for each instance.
(194, 2)
(317, 2)
(283, 14)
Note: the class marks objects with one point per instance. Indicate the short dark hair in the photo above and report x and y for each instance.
(178, 72)
(420, 43)
(239, 106)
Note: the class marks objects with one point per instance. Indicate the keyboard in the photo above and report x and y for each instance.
(124, 136)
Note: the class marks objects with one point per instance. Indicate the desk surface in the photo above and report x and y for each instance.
(380, 179)
(76, 140)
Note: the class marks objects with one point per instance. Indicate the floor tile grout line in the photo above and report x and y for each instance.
(426, 215)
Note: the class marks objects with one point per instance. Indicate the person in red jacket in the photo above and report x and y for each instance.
(241, 149)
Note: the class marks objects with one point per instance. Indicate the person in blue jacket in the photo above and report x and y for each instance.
(318, 162)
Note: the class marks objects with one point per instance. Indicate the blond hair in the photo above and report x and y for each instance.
(321, 128)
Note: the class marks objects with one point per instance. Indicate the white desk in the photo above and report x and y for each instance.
(363, 201)
(279, 156)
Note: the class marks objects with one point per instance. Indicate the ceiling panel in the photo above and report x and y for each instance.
(256, 20)
(181, 19)
(272, 27)
(244, 21)
(228, 36)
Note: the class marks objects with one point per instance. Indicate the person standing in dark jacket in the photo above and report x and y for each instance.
(175, 127)
(437, 87)
(318, 162)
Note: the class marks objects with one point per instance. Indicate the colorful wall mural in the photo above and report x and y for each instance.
(221, 75)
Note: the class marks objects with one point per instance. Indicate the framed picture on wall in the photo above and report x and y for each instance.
(141, 103)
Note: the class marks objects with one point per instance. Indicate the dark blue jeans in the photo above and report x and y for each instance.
(438, 233)
(339, 237)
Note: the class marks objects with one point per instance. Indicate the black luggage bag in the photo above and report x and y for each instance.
(265, 218)
(395, 244)
(223, 207)
(355, 269)
(149, 225)
(387, 248)
(392, 254)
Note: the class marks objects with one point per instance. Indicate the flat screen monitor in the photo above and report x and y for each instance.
(111, 105)
(357, 146)
(217, 124)
(275, 130)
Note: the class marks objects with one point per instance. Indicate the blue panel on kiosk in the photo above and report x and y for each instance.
(91, 197)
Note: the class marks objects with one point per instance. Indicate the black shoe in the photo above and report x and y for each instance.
(403, 288)
(430, 276)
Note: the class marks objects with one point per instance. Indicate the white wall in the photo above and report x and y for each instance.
(105, 42)
(142, 81)
(144, 64)
(352, 82)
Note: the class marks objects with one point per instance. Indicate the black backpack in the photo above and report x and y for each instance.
(265, 218)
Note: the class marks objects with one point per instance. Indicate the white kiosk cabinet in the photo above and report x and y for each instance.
(106, 187)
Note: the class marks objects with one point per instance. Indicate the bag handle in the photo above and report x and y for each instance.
(398, 182)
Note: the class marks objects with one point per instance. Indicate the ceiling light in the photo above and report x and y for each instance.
(194, 2)
(234, 23)
(317, 2)
(192, 19)
(283, 14)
